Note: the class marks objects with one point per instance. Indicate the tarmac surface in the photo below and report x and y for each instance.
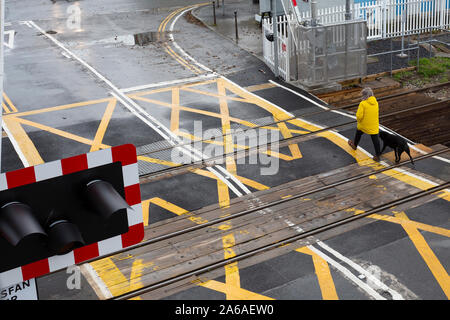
(70, 88)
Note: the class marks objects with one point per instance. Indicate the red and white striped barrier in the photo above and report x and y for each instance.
(126, 154)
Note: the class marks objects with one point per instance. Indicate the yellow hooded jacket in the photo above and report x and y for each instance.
(367, 116)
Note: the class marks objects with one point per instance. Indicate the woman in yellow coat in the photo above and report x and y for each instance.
(367, 117)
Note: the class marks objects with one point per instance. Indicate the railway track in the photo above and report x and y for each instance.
(274, 219)
(267, 221)
(282, 242)
(405, 119)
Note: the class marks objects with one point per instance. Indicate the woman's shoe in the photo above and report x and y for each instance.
(376, 158)
(351, 144)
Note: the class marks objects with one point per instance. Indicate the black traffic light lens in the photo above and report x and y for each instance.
(17, 222)
(104, 198)
(64, 237)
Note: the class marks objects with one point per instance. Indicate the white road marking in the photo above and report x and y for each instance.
(183, 53)
(138, 110)
(170, 83)
(349, 275)
(16, 146)
(97, 284)
(373, 280)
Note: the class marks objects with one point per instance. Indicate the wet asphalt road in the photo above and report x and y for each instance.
(40, 74)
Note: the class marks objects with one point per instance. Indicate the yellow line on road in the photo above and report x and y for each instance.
(175, 115)
(413, 224)
(5, 107)
(323, 273)
(226, 127)
(103, 125)
(9, 102)
(427, 254)
(24, 142)
(58, 132)
(57, 108)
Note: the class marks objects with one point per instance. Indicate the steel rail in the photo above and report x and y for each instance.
(299, 115)
(245, 212)
(201, 163)
(283, 242)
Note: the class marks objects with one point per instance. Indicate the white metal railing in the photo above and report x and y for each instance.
(282, 44)
(385, 19)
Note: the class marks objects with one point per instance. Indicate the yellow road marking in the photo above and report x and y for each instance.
(175, 115)
(231, 270)
(211, 94)
(254, 184)
(233, 293)
(58, 132)
(24, 142)
(323, 273)
(412, 224)
(232, 286)
(9, 102)
(427, 254)
(295, 151)
(259, 87)
(5, 108)
(103, 125)
(169, 207)
(173, 54)
(158, 161)
(57, 108)
(226, 127)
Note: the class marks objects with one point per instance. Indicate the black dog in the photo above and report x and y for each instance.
(397, 143)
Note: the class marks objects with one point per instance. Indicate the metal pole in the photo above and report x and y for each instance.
(223, 7)
(2, 39)
(403, 21)
(418, 52)
(348, 14)
(275, 38)
(348, 17)
(391, 57)
(214, 11)
(236, 25)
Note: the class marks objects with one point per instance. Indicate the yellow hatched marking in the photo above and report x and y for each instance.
(231, 270)
(232, 286)
(58, 132)
(413, 224)
(427, 254)
(103, 125)
(323, 273)
(158, 161)
(27, 146)
(233, 293)
(169, 207)
(175, 115)
(61, 107)
(226, 127)
(259, 87)
(211, 94)
(5, 108)
(295, 151)
(9, 102)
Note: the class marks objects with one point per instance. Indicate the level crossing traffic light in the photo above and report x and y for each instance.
(65, 212)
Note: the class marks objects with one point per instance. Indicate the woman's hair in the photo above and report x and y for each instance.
(366, 93)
